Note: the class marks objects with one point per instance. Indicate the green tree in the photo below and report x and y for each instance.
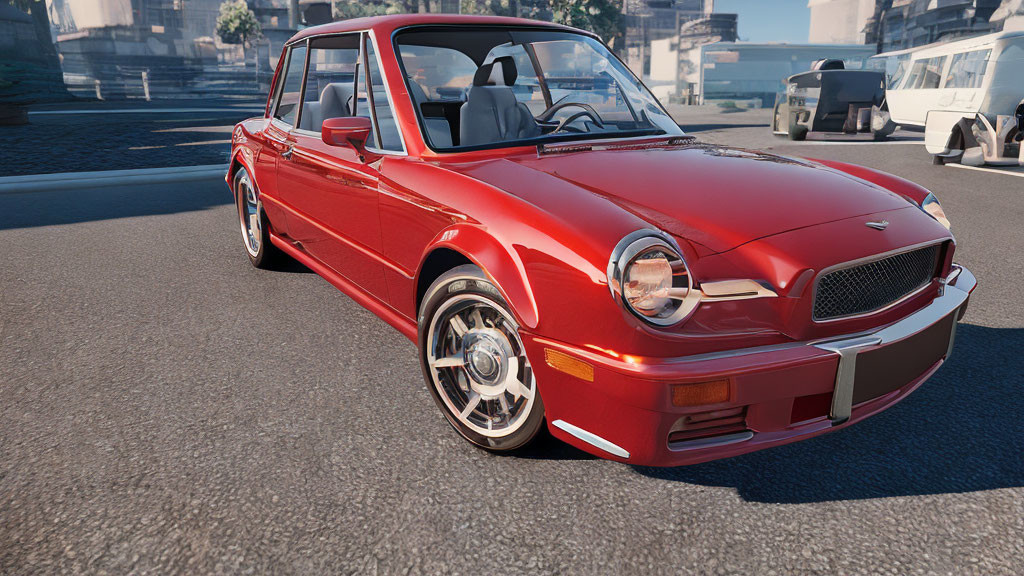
(602, 17)
(491, 7)
(236, 24)
(344, 9)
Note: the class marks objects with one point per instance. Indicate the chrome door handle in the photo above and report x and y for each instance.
(288, 152)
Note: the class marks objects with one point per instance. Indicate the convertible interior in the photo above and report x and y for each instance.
(474, 87)
(479, 87)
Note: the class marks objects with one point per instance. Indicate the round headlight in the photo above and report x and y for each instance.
(934, 209)
(647, 274)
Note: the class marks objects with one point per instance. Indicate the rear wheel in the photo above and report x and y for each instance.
(475, 363)
(253, 223)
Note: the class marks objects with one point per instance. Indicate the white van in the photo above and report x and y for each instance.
(938, 85)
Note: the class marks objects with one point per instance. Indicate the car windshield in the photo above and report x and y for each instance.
(499, 86)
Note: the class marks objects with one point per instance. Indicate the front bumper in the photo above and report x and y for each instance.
(623, 408)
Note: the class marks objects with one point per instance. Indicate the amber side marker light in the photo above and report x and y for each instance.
(700, 393)
(564, 363)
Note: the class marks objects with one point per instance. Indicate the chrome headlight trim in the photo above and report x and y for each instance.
(641, 242)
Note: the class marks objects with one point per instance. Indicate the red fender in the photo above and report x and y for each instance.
(504, 267)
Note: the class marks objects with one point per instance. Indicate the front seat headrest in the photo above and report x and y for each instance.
(501, 72)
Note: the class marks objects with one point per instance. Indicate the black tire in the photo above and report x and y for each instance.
(797, 133)
(265, 256)
(458, 284)
(938, 161)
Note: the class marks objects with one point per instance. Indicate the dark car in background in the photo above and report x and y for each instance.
(830, 102)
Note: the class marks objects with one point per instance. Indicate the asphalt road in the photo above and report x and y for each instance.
(166, 408)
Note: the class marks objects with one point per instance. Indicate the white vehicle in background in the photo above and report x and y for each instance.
(965, 94)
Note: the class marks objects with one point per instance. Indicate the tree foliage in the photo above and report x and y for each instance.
(602, 17)
(490, 7)
(237, 24)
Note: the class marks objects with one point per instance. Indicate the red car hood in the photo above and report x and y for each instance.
(714, 196)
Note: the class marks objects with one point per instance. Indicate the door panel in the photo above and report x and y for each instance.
(265, 168)
(333, 197)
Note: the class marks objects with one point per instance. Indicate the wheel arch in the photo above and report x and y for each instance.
(468, 244)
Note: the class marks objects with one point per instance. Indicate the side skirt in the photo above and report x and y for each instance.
(404, 325)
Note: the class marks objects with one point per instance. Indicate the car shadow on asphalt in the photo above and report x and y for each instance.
(961, 431)
(48, 208)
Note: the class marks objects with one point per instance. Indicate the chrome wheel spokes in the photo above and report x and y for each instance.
(249, 214)
(479, 366)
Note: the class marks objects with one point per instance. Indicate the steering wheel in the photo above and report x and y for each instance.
(588, 110)
(565, 123)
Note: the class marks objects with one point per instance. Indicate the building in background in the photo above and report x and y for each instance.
(168, 48)
(840, 21)
(754, 73)
(674, 71)
(647, 21)
(900, 24)
(1009, 16)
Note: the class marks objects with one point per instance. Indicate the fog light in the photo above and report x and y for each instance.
(700, 393)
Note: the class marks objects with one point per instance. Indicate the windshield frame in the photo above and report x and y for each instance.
(544, 139)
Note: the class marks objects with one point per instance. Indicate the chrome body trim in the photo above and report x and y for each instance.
(712, 442)
(842, 394)
(729, 290)
(592, 439)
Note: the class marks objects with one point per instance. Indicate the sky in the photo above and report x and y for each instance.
(769, 20)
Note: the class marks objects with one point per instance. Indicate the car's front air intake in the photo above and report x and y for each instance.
(870, 286)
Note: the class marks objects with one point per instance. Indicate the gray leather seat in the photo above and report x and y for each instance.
(335, 102)
(491, 112)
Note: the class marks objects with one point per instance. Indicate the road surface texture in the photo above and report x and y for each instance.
(166, 408)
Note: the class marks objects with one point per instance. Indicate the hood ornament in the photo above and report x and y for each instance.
(879, 225)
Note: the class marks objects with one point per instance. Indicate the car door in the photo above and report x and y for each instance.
(332, 190)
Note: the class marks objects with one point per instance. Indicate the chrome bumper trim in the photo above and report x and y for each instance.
(950, 299)
(714, 441)
(592, 439)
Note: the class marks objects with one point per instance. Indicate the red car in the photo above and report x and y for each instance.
(510, 197)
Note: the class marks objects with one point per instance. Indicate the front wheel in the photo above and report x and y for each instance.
(475, 363)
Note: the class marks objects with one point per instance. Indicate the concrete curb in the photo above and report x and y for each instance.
(78, 180)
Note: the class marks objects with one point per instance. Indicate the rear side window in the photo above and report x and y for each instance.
(926, 74)
(968, 69)
(291, 89)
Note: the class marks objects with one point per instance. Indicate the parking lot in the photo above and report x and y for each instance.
(165, 407)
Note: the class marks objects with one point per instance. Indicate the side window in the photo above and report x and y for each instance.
(926, 74)
(330, 81)
(968, 69)
(288, 102)
(386, 126)
(916, 74)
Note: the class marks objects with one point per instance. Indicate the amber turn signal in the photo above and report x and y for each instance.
(564, 363)
(700, 393)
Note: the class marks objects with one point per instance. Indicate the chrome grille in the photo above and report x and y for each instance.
(868, 287)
